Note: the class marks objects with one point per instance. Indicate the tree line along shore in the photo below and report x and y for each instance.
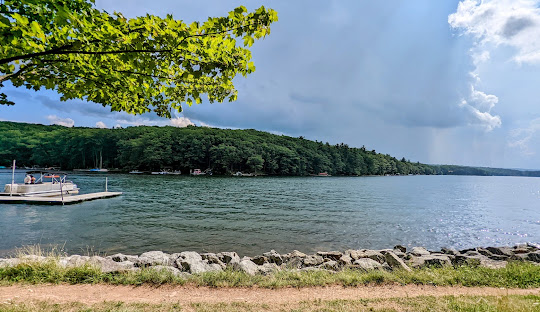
(224, 151)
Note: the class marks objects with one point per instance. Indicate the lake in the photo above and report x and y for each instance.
(251, 215)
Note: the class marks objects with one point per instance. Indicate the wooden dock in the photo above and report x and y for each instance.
(56, 200)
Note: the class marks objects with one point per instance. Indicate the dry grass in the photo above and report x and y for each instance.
(418, 304)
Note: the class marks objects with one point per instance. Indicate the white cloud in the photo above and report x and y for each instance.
(181, 122)
(479, 105)
(514, 23)
(141, 121)
(521, 138)
(494, 23)
(55, 120)
(482, 101)
(204, 124)
(101, 125)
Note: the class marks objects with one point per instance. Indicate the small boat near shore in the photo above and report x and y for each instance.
(50, 188)
(48, 183)
(241, 174)
(321, 174)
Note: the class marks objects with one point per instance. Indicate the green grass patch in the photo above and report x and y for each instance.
(515, 275)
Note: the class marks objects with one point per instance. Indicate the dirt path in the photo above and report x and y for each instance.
(90, 294)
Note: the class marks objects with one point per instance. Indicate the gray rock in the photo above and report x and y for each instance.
(245, 265)
(192, 262)
(228, 256)
(295, 262)
(400, 254)
(109, 266)
(367, 264)
(499, 257)
(484, 252)
(212, 258)
(121, 258)
(330, 265)
(260, 260)
(373, 255)
(433, 260)
(501, 251)
(34, 259)
(4, 263)
(313, 260)
(152, 258)
(533, 257)
(354, 254)
(471, 253)
(318, 269)
(533, 246)
(395, 262)
(449, 251)
(74, 261)
(268, 268)
(168, 269)
(400, 248)
(296, 253)
(467, 260)
(345, 260)
(332, 255)
(273, 257)
(492, 264)
(521, 251)
(419, 251)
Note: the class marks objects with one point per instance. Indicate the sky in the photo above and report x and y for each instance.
(440, 82)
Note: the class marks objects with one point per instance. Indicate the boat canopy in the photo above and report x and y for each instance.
(42, 172)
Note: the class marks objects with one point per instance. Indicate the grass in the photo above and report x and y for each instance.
(420, 304)
(515, 275)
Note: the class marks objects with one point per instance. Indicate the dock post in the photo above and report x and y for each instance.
(12, 178)
(106, 182)
(61, 192)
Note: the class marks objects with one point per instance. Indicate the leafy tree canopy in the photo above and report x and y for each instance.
(135, 65)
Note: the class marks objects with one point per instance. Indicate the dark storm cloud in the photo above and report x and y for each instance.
(515, 25)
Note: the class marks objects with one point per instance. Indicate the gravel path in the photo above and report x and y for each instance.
(90, 294)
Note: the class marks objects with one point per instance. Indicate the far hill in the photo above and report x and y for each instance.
(222, 150)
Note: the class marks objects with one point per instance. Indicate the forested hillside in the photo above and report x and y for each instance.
(224, 151)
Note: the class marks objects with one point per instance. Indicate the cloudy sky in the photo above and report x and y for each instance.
(454, 82)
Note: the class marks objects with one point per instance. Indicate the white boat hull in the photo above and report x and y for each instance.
(41, 189)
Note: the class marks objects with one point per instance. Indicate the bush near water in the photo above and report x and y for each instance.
(222, 150)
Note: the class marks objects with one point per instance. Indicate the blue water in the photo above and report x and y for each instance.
(254, 215)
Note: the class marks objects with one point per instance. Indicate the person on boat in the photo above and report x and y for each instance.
(33, 179)
(27, 179)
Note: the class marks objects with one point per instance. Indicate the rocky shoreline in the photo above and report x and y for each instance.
(399, 258)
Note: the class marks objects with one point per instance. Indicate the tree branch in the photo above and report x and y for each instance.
(27, 56)
(61, 50)
(15, 74)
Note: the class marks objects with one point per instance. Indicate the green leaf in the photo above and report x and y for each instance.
(178, 65)
(248, 41)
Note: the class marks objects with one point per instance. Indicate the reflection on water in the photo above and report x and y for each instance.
(254, 215)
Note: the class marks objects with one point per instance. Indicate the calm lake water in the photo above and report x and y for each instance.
(254, 215)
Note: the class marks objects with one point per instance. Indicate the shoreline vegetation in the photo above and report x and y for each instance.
(509, 267)
(223, 151)
(503, 279)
